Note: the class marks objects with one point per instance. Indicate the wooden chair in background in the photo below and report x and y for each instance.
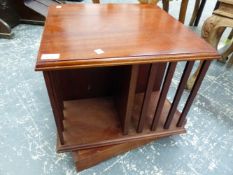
(14, 12)
(212, 31)
(183, 7)
(197, 12)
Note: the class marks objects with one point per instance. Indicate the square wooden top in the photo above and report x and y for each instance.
(90, 35)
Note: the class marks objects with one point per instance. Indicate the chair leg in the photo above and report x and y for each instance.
(193, 77)
(199, 13)
(183, 9)
(211, 35)
(195, 10)
(96, 1)
(166, 5)
(5, 29)
(148, 1)
(230, 61)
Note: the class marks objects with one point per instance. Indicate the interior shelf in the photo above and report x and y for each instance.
(94, 122)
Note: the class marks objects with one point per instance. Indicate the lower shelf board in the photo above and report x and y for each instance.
(92, 123)
(90, 157)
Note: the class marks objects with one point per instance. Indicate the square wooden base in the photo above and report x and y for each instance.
(90, 157)
(104, 139)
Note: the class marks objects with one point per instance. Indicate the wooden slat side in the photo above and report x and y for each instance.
(193, 92)
(167, 81)
(179, 92)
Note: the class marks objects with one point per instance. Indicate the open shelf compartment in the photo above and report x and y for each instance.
(91, 123)
(104, 106)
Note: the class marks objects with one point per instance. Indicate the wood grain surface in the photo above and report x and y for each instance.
(124, 33)
(92, 123)
(87, 158)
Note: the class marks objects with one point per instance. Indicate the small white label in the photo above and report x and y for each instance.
(50, 56)
(58, 6)
(99, 51)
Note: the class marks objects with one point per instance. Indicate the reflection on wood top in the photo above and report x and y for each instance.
(90, 35)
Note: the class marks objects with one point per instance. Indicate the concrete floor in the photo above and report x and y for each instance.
(27, 129)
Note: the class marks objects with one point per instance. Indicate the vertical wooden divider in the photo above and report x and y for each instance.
(125, 97)
(193, 92)
(146, 99)
(54, 100)
(57, 94)
(163, 94)
(58, 88)
(179, 92)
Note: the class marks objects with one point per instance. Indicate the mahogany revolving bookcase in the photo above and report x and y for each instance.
(108, 69)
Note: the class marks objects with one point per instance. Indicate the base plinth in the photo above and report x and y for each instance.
(90, 157)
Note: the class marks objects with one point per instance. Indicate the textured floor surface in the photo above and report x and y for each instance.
(27, 129)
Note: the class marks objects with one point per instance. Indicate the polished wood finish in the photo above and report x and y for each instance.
(108, 76)
(97, 82)
(88, 83)
(58, 116)
(193, 92)
(147, 96)
(144, 70)
(97, 122)
(163, 95)
(125, 98)
(148, 37)
(180, 89)
(87, 158)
